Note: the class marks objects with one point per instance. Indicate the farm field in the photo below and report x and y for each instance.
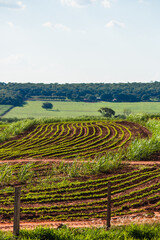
(64, 168)
(84, 139)
(135, 190)
(33, 109)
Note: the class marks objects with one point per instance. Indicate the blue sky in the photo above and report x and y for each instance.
(78, 41)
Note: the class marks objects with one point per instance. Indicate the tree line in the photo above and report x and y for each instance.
(17, 93)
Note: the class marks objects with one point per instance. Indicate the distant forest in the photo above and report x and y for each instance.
(17, 93)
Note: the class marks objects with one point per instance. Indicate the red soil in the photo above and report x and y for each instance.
(115, 221)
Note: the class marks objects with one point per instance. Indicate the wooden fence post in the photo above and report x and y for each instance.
(109, 206)
(16, 211)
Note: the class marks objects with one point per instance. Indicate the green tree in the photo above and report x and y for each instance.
(47, 105)
(107, 112)
(106, 97)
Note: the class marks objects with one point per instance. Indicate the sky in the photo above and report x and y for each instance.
(75, 41)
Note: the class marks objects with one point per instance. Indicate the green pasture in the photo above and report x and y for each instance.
(75, 109)
(4, 108)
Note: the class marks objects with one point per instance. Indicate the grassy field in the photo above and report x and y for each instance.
(4, 108)
(75, 109)
(131, 232)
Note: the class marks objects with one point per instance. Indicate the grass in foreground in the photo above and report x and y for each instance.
(146, 232)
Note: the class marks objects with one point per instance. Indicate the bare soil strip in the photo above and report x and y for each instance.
(143, 162)
(154, 162)
(115, 221)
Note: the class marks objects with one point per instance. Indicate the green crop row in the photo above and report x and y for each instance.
(62, 140)
(91, 186)
(90, 194)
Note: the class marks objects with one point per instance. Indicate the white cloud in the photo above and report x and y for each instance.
(71, 3)
(106, 3)
(12, 59)
(21, 5)
(56, 26)
(114, 23)
(48, 25)
(12, 4)
(10, 24)
(77, 3)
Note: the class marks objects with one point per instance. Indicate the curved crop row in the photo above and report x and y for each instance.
(68, 140)
(132, 192)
